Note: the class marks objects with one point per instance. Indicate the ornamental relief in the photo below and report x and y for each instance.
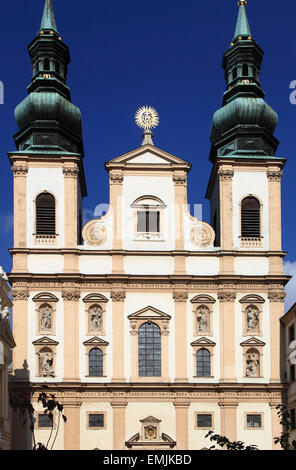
(202, 235)
(19, 294)
(70, 295)
(94, 233)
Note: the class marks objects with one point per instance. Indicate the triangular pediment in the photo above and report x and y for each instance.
(45, 341)
(203, 342)
(253, 342)
(96, 342)
(149, 313)
(150, 419)
(147, 155)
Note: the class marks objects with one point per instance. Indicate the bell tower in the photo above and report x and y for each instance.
(49, 182)
(245, 184)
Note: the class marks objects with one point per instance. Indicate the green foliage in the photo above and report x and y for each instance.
(21, 402)
(223, 441)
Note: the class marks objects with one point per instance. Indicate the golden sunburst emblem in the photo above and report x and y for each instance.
(147, 117)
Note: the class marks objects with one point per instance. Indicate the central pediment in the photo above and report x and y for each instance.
(148, 156)
(149, 313)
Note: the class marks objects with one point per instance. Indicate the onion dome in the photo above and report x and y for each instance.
(245, 123)
(47, 119)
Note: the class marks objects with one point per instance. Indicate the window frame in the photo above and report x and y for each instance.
(148, 343)
(247, 241)
(204, 428)
(253, 428)
(101, 356)
(94, 428)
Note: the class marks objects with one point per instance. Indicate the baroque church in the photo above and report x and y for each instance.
(150, 326)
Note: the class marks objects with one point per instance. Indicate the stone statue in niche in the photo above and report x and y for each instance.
(203, 319)
(252, 318)
(46, 363)
(253, 363)
(96, 319)
(45, 320)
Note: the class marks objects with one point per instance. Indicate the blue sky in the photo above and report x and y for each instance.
(166, 54)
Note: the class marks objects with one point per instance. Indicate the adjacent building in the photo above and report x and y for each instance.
(150, 325)
(6, 344)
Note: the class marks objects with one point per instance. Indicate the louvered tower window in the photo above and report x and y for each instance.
(250, 217)
(45, 215)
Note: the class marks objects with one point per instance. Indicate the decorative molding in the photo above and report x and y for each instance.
(203, 299)
(276, 296)
(45, 342)
(116, 177)
(203, 342)
(274, 175)
(180, 296)
(45, 297)
(226, 296)
(149, 313)
(202, 235)
(69, 295)
(19, 294)
(252, 299)
(180, 179)
(118, 295)
(93, 298)
(94, 233)
(253, 342)
(70, 171)
(225, 174)
(20, 169)
(96, 341)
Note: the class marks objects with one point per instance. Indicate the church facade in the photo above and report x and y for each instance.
(149, 325)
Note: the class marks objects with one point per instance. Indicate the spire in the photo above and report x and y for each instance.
(48, 19)
(147, 137)
(242, 24)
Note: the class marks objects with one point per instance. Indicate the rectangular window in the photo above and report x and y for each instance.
(96, 420)
(254, 421)
(203, 420)
(291, 334)
(44, 421)
(293, 418)
(148, 222)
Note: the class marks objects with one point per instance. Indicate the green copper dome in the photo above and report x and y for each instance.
(48, 107)
(245, 112)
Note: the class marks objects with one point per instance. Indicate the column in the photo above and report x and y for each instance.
(226, 218)
(70, 209)
(180, 298)
(20, 332)
(119, 424)
(181, 408)
(118, 297)
(274, 176)
(276, 427)
(71, 335)
(277, 310)
(72, 426)
(180, 182)
(227, 336)
(228, 419)
(116, 182)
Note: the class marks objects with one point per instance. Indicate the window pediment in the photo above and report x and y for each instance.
(203, 299)
(253, 342)
(96, 341)
(45, 342)
(203, 342)
(93, 298)
(45, 297)
(149, 313)
(252, 298)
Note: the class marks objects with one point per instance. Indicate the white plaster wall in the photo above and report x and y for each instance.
(96, 264)
(99, 438)
(265, 322)
(162, 301)
(191, 338)
(39, 180)
(84, 337)
(197, 439)
(59, 337)
(50, 264)
(161, 410)
(137, 186)
(202, 265)
(251, 266)
(148, 157)
(256, 184)
(150, 265)
(42, 435)
(262, 438)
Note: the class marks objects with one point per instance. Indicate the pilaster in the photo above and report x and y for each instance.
(71, 335)
(227, 335)
(118, 298)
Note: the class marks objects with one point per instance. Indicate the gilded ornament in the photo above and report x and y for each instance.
(147, 117)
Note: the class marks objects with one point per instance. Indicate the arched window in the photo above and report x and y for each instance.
(149, 350)
(234, 73)
(245, 70)
(203, 363)
(250, 217)
(46, 64)
(45, 214)
(95, 362)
